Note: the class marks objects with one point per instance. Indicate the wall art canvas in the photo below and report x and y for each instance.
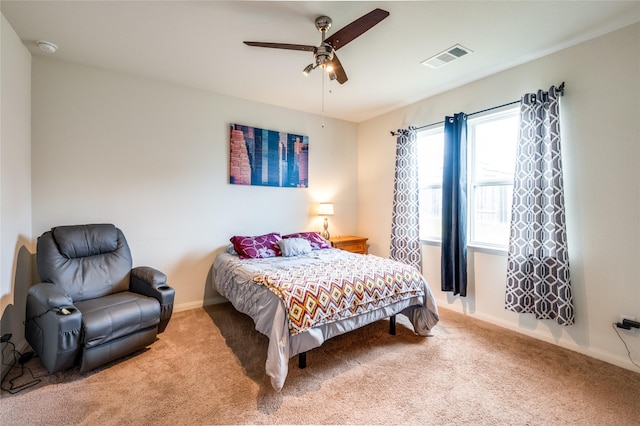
(268, 158)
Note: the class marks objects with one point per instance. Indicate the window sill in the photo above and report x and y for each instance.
(498, 251)
(478, 248)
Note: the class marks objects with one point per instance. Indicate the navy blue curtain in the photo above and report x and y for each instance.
(454, 206)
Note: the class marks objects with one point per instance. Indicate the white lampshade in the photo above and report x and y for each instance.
(325, 209)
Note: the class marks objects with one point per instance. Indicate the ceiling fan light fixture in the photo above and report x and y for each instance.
(324, 55)
(321, 61)
(307, 69)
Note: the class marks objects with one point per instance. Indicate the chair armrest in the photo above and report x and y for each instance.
(52, 326)
(149, 275)
(153, 283)
(50, 296)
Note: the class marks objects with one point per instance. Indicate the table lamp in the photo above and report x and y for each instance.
(325, 209)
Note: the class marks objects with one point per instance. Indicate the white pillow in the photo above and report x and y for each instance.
(294, 246)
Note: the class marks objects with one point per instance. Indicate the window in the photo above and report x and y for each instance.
(430, 154)
(492, 141)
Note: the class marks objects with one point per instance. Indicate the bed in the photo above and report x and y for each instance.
(301, 297)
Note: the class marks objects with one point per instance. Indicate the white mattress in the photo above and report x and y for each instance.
(233, 279)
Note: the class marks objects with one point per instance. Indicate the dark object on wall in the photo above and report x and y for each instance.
(91, 306)
(268, 157)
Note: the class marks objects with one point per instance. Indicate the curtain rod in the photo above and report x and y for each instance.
(560, 88)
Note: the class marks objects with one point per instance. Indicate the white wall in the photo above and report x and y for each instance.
(15, 180)
(152, 158)
(601, 155)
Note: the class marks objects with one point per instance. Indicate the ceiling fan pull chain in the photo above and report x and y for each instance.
(322, 93)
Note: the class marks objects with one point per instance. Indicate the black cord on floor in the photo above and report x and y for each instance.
(625, 345)
(21, 359)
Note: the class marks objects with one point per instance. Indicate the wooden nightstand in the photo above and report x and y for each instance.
(350, 243)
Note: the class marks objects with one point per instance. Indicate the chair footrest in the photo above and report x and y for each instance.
(98, 355)
(116, 315)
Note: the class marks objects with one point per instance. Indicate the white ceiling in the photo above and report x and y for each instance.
(199, 44)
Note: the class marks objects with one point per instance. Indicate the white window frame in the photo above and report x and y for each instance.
(426, 133)
(473, 183)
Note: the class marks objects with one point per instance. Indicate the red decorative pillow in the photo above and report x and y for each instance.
(257, 247)
(314, 238)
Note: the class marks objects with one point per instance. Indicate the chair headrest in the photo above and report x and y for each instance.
(85, 240)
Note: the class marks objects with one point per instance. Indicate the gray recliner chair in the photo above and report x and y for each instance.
(91, 307)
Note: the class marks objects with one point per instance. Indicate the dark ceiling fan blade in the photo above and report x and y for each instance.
(281, 46)
(341, 75)
(356, 28)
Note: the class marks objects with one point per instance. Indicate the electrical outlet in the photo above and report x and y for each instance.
(624, 317)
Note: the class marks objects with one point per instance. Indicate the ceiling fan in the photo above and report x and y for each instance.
(324, 56)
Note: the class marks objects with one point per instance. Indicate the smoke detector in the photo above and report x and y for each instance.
(47, 46)
(443, 58)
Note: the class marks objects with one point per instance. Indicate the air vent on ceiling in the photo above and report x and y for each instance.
(443, 58)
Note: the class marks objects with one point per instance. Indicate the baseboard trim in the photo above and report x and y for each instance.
(193, 305)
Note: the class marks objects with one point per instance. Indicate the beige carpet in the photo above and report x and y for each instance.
(208, 368)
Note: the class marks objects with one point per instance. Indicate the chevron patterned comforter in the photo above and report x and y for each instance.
(319, 293)
(299, 302)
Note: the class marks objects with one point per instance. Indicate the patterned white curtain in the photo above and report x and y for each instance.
(405, 237)
(538, 262)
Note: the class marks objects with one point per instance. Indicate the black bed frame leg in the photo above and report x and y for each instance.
(392, 325)
(302, 360)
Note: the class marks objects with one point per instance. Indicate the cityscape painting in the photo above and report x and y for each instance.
(268, 158)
